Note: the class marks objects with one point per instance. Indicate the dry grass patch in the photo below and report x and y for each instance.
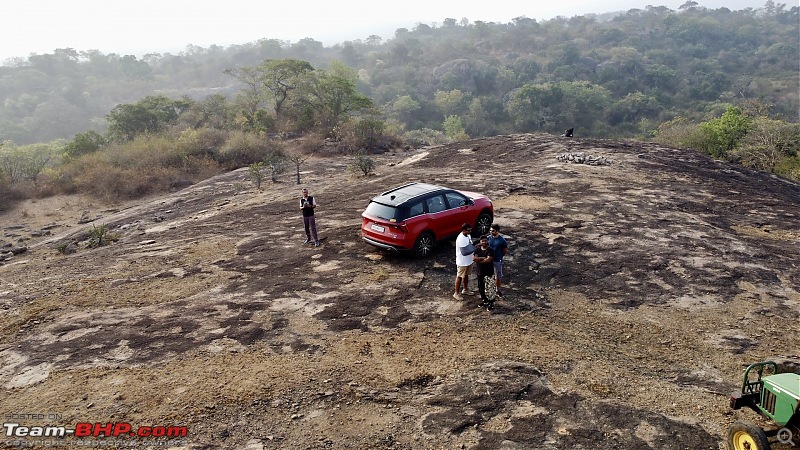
(766, 233)
(526, 202)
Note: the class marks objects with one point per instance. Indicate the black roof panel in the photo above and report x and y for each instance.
(401, 194)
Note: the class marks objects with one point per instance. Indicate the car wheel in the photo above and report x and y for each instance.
(482, 225)
(424, 245)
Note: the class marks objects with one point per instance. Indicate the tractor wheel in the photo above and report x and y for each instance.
(747, 436)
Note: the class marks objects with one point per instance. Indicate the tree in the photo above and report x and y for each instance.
(723, 134)
(479, 121)
(214, 111)
(281, 76)
(333, 96)
(253, 95)
(404, 108)
(276, 162)
(556, 106)
(135, 69)
(150, 115)
(297, 159)
(454, 129)
(84, 143)
(370, 131)
(450, 102)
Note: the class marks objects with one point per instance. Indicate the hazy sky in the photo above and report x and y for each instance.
(144, 26)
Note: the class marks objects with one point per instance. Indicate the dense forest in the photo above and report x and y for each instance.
(697, 77)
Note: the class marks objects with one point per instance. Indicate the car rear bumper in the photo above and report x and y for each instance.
(383, 246)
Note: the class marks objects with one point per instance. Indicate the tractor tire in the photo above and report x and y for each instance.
(747, 436)
(424, 245)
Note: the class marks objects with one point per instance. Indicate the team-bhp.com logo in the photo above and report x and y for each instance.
(86, 430)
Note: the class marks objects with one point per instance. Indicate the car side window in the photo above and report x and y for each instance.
(435, 204)
(454, 199)
(415, 209)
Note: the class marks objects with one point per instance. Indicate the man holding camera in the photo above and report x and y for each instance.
(307, 205)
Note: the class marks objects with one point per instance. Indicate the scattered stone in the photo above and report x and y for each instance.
(584, 158)
(84, 218)
(19, 250)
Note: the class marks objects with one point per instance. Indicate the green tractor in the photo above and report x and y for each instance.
(773, 395)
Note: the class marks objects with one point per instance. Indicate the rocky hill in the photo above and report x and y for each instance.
(641, 281)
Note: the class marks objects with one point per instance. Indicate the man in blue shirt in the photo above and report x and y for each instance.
(499, 248)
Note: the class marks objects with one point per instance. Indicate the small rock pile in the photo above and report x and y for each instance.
(584, 158)
(8, 251)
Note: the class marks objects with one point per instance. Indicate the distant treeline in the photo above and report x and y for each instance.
(722, 82)
(611, 75)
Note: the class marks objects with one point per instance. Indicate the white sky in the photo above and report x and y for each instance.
(159, 26)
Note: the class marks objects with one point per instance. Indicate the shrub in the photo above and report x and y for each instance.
(242, 149)
(722, 135)
(678, 132)
(768, 143)
(277, 164)
(425, 136)
(100, 236)
(369, 132)
(363, 164)
(84, 143)
(256, 173)
(8, 195)
(201, 142)
(312, 143)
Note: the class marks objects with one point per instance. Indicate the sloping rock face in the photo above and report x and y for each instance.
(637, 289)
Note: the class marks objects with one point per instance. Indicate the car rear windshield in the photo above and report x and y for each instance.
(386, 212)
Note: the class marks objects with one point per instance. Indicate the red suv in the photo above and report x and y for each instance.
(413, 217)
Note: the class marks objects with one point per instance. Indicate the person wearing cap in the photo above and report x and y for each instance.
(499, 248)
(307, 205)
(463, 262)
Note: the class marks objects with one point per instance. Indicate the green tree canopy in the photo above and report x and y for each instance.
(333, 96)
(723, 134)
(281, 76)
(150, 115)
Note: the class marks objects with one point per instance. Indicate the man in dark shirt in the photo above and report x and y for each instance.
(499, 248)
(307, 205)
(483, 258)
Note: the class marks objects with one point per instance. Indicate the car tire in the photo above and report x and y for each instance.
(424, 245)
(482, 225)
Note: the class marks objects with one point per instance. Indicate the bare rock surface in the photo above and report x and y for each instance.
(637, 291)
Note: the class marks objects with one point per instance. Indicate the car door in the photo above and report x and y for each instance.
(457, 212)
(436, 207)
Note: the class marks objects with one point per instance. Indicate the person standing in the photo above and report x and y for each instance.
(483, 258)
(499, 248)
(307, 205)
(463, 262)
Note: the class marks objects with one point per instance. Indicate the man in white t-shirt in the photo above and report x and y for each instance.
(463, 262)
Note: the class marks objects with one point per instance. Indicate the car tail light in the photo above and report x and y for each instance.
(400, 226)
